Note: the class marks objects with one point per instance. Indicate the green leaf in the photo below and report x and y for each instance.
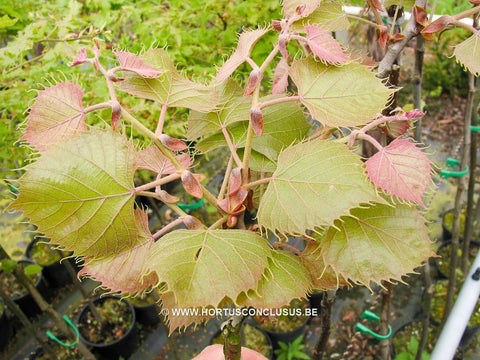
(376, 244)
(170, 88)
(329, 16)
(404, 356)
(92, 218)
(201, 267)
(290, 7)
(314, 184)
(284, 279)
(413, 345)
(233, 107)
(6, 22)
(8, 265)
(348, 95)
(284, 124)
(468, 53)
(32, 269)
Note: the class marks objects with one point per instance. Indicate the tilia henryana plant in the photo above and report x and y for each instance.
(360, 219)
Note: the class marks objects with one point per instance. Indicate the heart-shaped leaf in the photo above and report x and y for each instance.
(56, 114)
(380, 243)
(349, 95)
(245, 45)
(94, 219)
(285, 279)
(131, 62)
(324, 46)
(314, 184)
(401, 169)
(299, 7)
(329, 16)
(201, 267)
(468, 53)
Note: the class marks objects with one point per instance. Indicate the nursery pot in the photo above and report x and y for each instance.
(315, 301)
(25, 300)
(123, 346)
(147, 314)
(442, 274)
(55, 272)
(4, 326)
(250, 336)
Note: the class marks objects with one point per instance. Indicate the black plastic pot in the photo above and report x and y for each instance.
(249, 323)
(441, 274)
(4, 325)
(25, 301)
(122, 347)
(147, 314)
(56, 273)
(315, 301)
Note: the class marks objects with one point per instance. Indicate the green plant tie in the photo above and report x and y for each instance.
(193, 206)
(69, 323)
(450, 173)
(370, 316)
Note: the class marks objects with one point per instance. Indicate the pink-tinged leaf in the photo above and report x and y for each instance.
(324, 46)
(125, 272)
(81, 58)
(116, 114)
(420, 15)
(414, 114)
(167, 198)
(235, 180)
(280, 77)
(172, 143)
(395, 38)
(438, 25)
(277, 25)
(192, 223)
(191, 184)
(361, 58)
(56, 114)
(282, 45)
(245, 45)
(131, 62)
(252, 83)
(301, 8)
(401, 169)
(152, 159)
(256, 117)
(394, 129)
(382, 36)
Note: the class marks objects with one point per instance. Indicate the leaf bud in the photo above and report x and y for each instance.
(257, 120)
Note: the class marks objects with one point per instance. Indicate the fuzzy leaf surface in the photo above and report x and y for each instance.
(233, 107)
(290, 7)
(153, 159)
(246, 41)
(284, 124)
(93, 219)
(280, 77)
(284, 279)
(379, 243)
(56, 114)
(131, 62)
(329, 16)
(401, 169)
(349, 95)
(201, 267)
(468, 53)
(314, 184)
(324, 46)
(170, 87)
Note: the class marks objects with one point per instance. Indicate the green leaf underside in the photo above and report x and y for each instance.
(329, 16)
(323, 276)
(284, 124)
(169, 88)
(233, 107)
(315, 183)
(348, 95)
(468, 53)
(57, 194)
(202, 267)
(284, 279)
(379, 243)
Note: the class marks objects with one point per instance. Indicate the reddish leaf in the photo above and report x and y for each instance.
(414, 114)
(252, 83)
(232, 221)
(257, 121)
(282, 45)
(191, 184)
(395, 38)
(420, 15)
(438, 25)
(152, 159)
(116, 114)
(475, 2)
(131, 62)
(192, 223)
(401, 169)
(280, 77)
(172, 143)
(277, 25)
(294, 8)
(394, 129)
(167, 198)
(324, 46)
(361, 58)
(235, 180)
(81, 58)
(56, 114)
(382, 35)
